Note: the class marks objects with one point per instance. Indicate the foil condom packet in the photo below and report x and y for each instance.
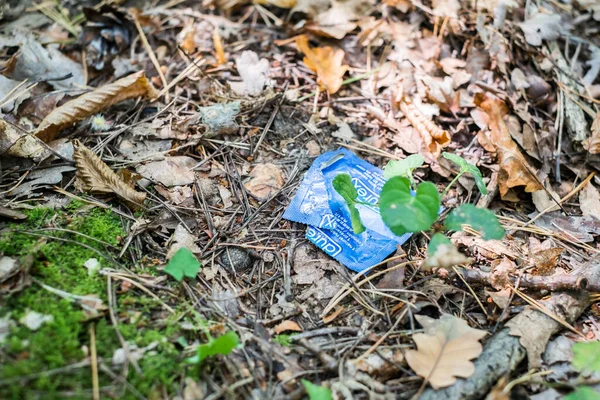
(319, 206)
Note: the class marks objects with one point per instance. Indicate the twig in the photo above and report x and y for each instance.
(151, 54)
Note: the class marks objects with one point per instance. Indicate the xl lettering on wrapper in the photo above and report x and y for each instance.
(318, 205)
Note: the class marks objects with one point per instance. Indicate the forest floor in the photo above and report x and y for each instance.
(149, 150)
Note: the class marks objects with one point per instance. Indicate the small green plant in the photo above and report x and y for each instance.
(316, 392)
(403, 168)
(183, 263)
(465, 168)
(586, 358)
(284, 339)
(223, 345)
(407, 207)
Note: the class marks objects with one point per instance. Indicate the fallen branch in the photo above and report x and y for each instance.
(554, 283)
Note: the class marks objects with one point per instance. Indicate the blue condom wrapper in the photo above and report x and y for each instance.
(318, 205)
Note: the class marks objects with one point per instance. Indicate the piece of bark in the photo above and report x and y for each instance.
(577, 126)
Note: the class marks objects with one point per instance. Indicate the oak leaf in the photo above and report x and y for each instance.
(514, 168)
(326, 62)
(445, 350)
(94, 176)
(91, 103)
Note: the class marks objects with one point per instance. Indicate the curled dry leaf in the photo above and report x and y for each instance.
(326, 62)
(445, 350)
(94, 176)
(434, 137)
(287, 325)
(91, 103)
(16, 143)
(514, 168)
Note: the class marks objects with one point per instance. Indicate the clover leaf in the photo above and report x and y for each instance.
(467, 167)
(183, 263)
(402, 212)
(480, 219)
(403, 168)
(342, 184)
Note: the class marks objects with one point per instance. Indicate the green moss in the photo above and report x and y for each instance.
(61, 342)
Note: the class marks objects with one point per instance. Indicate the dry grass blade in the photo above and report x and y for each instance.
(88, 104)
(434, 137)
(445, 350)
(93, 175)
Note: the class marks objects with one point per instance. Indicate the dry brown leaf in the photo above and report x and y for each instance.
(18, 143)
(326, 62)
(339, 19)
(501, 272)
(545, 261)
(219, 51)
(94, 176)
(514, 169)
(88, 104)
(385, 363)
(265, 180)
(287, 325)
(592, 144)
(589, 200)
(445, 350)
(434, 137)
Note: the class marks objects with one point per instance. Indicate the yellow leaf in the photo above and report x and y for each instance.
(514, 168)
(94, 176)
(326, 62)
(445, 350)
(91, 103)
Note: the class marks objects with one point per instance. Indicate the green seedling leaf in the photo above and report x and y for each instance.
(467, 167)
(222, 345)
(480, 219)
(586, 356)
(402, 212)
(403, 168)
(183, 263)
(342, 184)
(437, 240)
(316, 392)
(583, 393)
